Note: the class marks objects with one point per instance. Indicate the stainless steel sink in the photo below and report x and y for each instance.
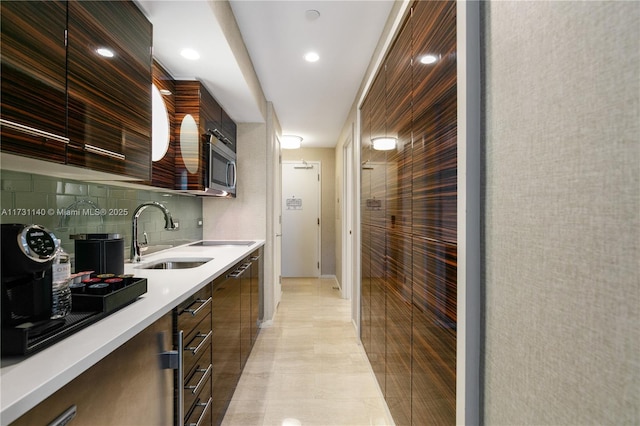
(178, 263)
(223, 243)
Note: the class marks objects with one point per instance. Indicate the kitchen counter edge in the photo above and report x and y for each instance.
(25, 382)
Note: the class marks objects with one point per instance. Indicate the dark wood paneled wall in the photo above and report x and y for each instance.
(409, 216)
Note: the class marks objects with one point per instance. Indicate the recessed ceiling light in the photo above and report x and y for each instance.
(190, 54)
(312, 14)
(311, 57)
(103, 51)
(428, 59)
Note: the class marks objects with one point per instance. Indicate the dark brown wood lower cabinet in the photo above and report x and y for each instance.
(226, 343)
(433, 387)
(377, 352)
(398, 326)
(193, 318)
(365, 289)
(235, 311)
(433, 378)
(128, 387)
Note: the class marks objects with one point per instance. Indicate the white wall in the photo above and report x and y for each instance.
(562, 208)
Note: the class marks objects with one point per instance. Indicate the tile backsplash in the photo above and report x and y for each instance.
(68, 207)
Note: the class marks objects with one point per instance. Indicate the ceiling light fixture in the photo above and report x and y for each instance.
(103, 51)
(311, 57)
(384, 143)
(190, 54)
(312, 14)
(429, 59)
(290, 142)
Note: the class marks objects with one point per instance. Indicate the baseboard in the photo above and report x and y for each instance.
(266, 324)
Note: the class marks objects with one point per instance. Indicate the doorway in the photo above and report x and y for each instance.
(349, 289)
(301, 219)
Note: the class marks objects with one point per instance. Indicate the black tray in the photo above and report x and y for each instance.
(27, 339)
(109, 302)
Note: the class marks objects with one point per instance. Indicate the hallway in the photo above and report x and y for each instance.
(307, 368)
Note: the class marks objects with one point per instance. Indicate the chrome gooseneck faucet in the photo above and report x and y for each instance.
(168, 224)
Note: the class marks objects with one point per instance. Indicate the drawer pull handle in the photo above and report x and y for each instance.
(205, 338)
(254, 258)
(204, 412)
(239, 270)
(104, 152)
(33, 131)
(194, 312)
(196, 388)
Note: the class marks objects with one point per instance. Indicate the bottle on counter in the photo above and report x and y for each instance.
(61, 277)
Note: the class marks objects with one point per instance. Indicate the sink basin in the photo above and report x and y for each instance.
(179, 263)
(223, 243)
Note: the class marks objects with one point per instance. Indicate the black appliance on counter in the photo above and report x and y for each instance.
(28, 251)
(102, 253)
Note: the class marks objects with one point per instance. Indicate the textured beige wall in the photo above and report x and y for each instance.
(327, 159)
(243, 217)
(562, 228)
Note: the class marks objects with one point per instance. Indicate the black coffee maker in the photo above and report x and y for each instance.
(28, 251)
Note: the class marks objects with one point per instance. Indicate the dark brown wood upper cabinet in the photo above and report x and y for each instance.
(434, 213)
(109, 94)
(228, 129)
(64, 102)
(399, 125)
(34, 78)
(163, 171)
(195, 106)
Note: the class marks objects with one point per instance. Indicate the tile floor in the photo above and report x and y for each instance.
(308, 368)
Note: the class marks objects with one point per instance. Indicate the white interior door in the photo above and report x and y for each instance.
(301, 219)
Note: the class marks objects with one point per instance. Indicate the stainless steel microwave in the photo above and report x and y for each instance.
(222, 177)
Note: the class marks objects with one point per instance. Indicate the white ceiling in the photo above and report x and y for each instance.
(311, 100)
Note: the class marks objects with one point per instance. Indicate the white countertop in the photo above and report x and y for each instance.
(26, 382)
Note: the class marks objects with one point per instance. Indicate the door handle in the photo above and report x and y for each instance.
(32, 131)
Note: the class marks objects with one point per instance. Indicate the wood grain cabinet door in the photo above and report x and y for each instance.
(127, 387)
(34, 78)
(193, 102)
(109, 91)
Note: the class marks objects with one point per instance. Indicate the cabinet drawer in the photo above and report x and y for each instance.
(197, 344)
(191, 313)
(198, 381)
(200, 413)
